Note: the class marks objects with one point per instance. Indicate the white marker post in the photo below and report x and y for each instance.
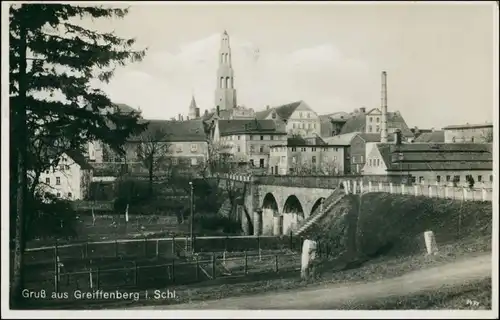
(126, 213)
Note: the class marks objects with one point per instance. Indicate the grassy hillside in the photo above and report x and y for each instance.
(377, 224)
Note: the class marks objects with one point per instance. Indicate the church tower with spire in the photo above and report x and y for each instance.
(194, 111)
(225, 93)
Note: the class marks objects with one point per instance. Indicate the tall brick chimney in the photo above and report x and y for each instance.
(383, 108)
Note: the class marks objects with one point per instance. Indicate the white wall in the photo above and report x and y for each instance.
(69, 174)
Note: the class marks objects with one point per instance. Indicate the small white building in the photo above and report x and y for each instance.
(70, 179)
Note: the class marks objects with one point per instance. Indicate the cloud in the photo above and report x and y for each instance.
(163, 82)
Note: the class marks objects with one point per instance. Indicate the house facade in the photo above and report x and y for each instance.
(249, 141)
(429, 163)
(306, 159)
(469, 133)
(299, 118)
(71, 178)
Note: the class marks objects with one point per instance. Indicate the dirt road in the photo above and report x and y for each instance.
(330, 296)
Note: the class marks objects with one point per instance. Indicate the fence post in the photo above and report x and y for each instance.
(173, 270)
(276, 263)
(173, 244)
(291, 240)
(213, 265)
(258, 242)
(136, 274)
(90, 279)
(197, 268)
(246, 263)
(225, 243)
(157, 248)
(116, 248)
(97, 279)
(56, 268)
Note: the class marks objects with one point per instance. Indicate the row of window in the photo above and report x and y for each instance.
(374, 162)
(302, 125)
(58, 181)
(194, 161)
(59, 194)
(261, 163)
(370, 129)
(250, 137)
(304, 114)
(377, 120)
(313, 159)
(303, 149)
(456, 178)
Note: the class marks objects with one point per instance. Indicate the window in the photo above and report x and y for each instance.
(66, 167)
(293, 125)
(456, 179)
(300, 114)
(294, 149)
(194, 161)
(308, 126)
(273, 115)
(448, 178)
(261, 163)
(303, 149)
(58, 194)
(175, 161)
(378, 162)
(58, 181)
(239, 149)
(313, 159)
(314, 125)
(194, 147)
(308, 115)
(472, 139)
(251, 137)
(378, 119)
(413, 179)
(239, 137)
(313, 149)
(61, 167)
(369, 162)
(370, 128)
(420, 179)
(453, 139)
(491, 178)
(271, 137)
(371, 119)
(261, 137)
(261, 149)
(70, 195)
(251, 162)
(47, 180)
(251, 149)
(438, 178)
(479, 178)
(47, 172)
(378, 129)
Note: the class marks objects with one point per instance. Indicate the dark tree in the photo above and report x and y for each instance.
(54, 62)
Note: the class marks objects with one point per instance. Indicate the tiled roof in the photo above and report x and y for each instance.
(261, 115)
(357, 123)
(286, 110)
(173, 131)
(438, 156)
(436, 136)
(341, 139)
(79, 159)
(468, 126)
(124, 108)
(228, 127)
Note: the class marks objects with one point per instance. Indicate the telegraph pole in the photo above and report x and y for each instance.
(191, 215)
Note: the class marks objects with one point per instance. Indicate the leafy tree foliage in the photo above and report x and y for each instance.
(55, 106)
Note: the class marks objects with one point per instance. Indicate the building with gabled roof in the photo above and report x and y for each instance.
(299, 117)
(431, 163)
(248, 140)
(70, 179)
(469, 133)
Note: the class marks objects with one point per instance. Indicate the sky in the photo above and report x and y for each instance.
(438, 57)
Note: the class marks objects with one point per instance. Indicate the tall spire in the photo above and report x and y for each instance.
(194, 111)
(225, 93)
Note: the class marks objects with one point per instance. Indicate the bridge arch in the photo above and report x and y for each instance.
(293, 214)
(316, 205)
(271, 220)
